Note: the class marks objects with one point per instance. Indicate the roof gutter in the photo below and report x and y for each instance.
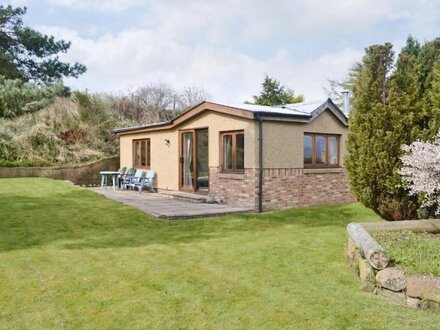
(260, 162)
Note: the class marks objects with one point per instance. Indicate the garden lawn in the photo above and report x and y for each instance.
(70, 258)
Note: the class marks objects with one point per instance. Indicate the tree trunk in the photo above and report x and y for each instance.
(370, 249)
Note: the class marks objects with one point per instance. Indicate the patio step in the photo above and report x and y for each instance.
(185, 196)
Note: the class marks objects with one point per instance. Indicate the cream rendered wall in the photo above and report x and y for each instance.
(165, 159)
(283, 141)
(218, 122)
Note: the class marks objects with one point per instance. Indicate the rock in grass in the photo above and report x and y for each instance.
(391, 278)
(413, 302)
(353, 253)
(397, 297)
(425, 287)
(366, 274)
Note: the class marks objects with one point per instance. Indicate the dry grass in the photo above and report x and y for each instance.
(70, 130)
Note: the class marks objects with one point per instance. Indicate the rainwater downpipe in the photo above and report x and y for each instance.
(260, 163)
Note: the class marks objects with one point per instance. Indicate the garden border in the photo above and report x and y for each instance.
(378, 276)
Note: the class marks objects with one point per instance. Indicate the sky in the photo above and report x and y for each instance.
(228, 46)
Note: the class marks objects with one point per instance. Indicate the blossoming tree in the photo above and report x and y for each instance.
(421, 171)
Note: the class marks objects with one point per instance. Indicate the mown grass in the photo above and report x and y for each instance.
(72, 259)
(416, 253)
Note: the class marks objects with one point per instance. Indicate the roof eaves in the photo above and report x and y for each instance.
(135, 128)
(159, 124)
(283, 115)
(328, 104)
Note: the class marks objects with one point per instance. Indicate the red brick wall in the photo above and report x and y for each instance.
(286, 188)
(235, 189)
(282, 187)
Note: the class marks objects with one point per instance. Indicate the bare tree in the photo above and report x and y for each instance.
(157, 102)
(336, 87)
(191, 96)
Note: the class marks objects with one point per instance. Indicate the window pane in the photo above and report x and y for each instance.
(143, 154)
(148, 153)
(332, 150)
(320, 149)
(137, 156)
(308, 149)
(239, 146)
(227, 152)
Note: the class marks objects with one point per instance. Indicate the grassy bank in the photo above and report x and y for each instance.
(416, 253)
(72, 259)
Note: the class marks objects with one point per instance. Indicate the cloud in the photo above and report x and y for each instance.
(99, 5)
(258, 19)
(136, 57)
(16, 3)
(228, 46)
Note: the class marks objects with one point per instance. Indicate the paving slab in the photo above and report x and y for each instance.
(164, 207)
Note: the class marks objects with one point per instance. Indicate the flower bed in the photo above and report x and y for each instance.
(406, 271)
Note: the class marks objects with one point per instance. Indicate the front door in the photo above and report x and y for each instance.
(194, 160)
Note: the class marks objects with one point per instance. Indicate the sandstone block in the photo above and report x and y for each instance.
(425, 287)
(353, 253)
(366, 274)
(391, 278)
(396, 297)
(413, 302)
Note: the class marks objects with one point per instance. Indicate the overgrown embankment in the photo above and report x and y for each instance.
(70, 130)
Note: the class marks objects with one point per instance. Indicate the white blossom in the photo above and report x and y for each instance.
(421, 171)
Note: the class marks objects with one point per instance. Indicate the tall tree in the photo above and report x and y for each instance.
(27, 54)
(391, 108)
(412, 47)
(373, 147)
(274, 93)
(402, 123)
(431, 104)
(427, 57)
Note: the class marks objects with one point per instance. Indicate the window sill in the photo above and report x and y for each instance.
(229, 175)
(323, 170)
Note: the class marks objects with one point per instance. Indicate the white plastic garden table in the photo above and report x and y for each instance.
(104, 178)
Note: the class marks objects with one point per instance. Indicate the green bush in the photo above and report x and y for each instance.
(18, 97)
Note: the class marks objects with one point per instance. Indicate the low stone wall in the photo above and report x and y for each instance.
(83, 174)
(282, 187)
(416, 291)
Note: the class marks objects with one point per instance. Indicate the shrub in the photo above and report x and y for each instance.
(421, 173)
(18, 98)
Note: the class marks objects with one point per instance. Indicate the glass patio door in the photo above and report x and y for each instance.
(194, 168)
(202, 165)
(187, 161)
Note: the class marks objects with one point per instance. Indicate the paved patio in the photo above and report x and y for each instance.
(162, 206)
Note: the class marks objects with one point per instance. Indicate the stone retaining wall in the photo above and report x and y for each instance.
(83, 174)
(416, 291)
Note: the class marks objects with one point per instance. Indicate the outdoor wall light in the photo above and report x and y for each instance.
(167, 142)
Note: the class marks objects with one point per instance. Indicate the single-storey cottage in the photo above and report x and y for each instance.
(265, 157)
